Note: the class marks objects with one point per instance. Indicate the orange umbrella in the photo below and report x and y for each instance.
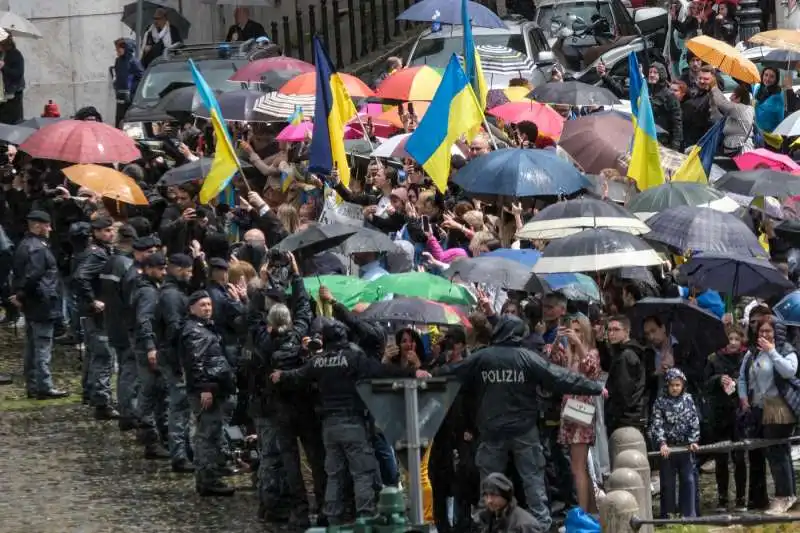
(781, 39)
(106, 182)
(393, 116)
(413, 83)
(725, 57)
(307, 84)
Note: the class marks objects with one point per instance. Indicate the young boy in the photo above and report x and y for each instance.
(674, 422)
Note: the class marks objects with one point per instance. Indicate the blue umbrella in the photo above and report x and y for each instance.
(449, 12)
(735, 276)
(788, 309)
(573, 285)
(519, 173)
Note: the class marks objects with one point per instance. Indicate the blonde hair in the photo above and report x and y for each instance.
(288, 216)
(479, 240)
(475, 219)
(585, 331)
(239, 270)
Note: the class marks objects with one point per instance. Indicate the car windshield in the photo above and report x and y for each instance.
(216, 73)
(559, 12)
(436, 52)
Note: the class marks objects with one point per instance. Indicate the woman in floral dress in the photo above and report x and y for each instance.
(579, 354)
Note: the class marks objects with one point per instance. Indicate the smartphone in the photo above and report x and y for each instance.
(426, 224)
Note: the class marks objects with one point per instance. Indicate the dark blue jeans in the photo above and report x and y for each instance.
(678, 469)
(387, 463)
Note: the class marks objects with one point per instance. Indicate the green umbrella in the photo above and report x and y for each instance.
(423, 285)
(348, 290)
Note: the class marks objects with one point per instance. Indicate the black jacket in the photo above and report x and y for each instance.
(128, 286)
(111, 295)
(229, 314)
(177, 234)
(13, 71)
(87, 282)
(204, 363)
(170, 314)
(144, 303)
(506, 375)
(696, 107)
(722, 406)
(625, 405)
(36, 279)
(370, 337)
(251, 30)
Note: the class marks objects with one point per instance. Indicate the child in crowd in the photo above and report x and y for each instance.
(675, 422)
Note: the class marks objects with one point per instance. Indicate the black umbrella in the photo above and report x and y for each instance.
(497, 271)
(194, 170)
(37, 123)
(789, 231)
(178, 102)
(149, 8)
(641, 274)
(690, 324)
(573, 93)
(735, 276)
(572, 216)
(414, 311)
(317, 238)
(237, 105)
(15, 134)
(759, 182)
(367, 240)
(701, 229)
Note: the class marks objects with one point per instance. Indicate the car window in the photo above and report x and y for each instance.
(584, 10)
(160, 75)
(623, 19)
(436, 52)
(538, 41)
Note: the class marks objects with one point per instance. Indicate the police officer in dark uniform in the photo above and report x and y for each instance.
(87, 286)
(170, 314)
(209, 379)
(506, 375)
(35, 289)
(344, 417)
(116, 316)
(152, 391)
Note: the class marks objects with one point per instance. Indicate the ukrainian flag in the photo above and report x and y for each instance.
(645, 165)
(333, 108)
(697, 167)
(472, 61)
(453, 112)
(225, 162)
(297, 117)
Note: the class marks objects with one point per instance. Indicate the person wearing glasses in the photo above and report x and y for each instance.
(159, 38)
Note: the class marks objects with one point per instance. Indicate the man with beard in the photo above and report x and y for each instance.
(170, 314)
(186, 220)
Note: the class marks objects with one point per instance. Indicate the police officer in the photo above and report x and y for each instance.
(115, 315)
(506, 375)
(209, 379)
(344, 416)
(87, 285)
(170, 314)
(35, 289)
(230, 307)
(152, 392)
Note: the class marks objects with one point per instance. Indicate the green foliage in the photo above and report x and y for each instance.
(775, 528)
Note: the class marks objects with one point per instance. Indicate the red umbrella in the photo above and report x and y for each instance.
(82, 142)
(549, 122)
(285, 67)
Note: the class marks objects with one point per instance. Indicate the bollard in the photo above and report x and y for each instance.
(337, 34)
(637, 462)
(627, 438)
(395, 14)
(323, 13)
(351, 21)
(287, 37)
(629, 480)
(312, 21)
(273, 26)
(301, 47)
(616, 511)
(362, 19)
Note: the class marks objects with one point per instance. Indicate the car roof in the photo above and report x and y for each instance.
(513, 27)
(548, 3)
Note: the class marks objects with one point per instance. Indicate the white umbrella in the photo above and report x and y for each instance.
(790, 126)
(395, 147)
(18, 26)
(282, 106)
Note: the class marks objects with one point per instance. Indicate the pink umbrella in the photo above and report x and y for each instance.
(380, 128)
(763, 158)
(304, 130)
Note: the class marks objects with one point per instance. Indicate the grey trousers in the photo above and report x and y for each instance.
(100, 363)
(38, 352)
(207, 442)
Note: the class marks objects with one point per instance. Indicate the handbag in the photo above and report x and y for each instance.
(578, 412)
(776, 411)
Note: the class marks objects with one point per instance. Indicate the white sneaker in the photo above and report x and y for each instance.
(779, 506)
(796, 454)
(709, 467)
(655, 487)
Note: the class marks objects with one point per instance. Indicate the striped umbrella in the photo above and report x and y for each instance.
(504, 61)
(282, 106)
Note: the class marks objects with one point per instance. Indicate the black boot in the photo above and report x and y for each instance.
(155, 451)
(183, 466)
(105, 412)
(51, 394)
(128, 424)
(216, 488)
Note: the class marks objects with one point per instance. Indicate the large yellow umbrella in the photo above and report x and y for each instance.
(782, 39)
(410, 84)
(725, 57)
(106, 182)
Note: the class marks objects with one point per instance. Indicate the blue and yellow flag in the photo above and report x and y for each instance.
(453, 112)
(645, 165)
(333, 108)
(697, 167)
(297, 117)
(472, 61)
(225, 162)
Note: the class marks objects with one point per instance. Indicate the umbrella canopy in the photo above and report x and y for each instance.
(519, 173)
(691, 229)
(496, 97)
(191, 171)
(504, 61)
(236, 105)
(642, 274)
(783, 39)
(106, 182)
(779, 59)
(423, 285)
(790, 127)
(573, 93)
(15, 134)
(788, 309)
(761, 182)
(676, 193)
(594, 250)
(283, 106)
(412, 83)
(573, 216)
(367, 240)
(395, 147)
(307, 84)
(760, 157)
(497, 271)
(317, 238)
(348, 290)
(303, 131)
(596, 141)
(789, 231)
(18, 26)
(415, 311)
(178, 102)
(445, 12)
(392, 116)
(617, 191)
(735, 276)
(272, 71)
(38, 123)
(547, 119)
(725, 57)
(689, 324)
(149, 8)
(80, 141)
